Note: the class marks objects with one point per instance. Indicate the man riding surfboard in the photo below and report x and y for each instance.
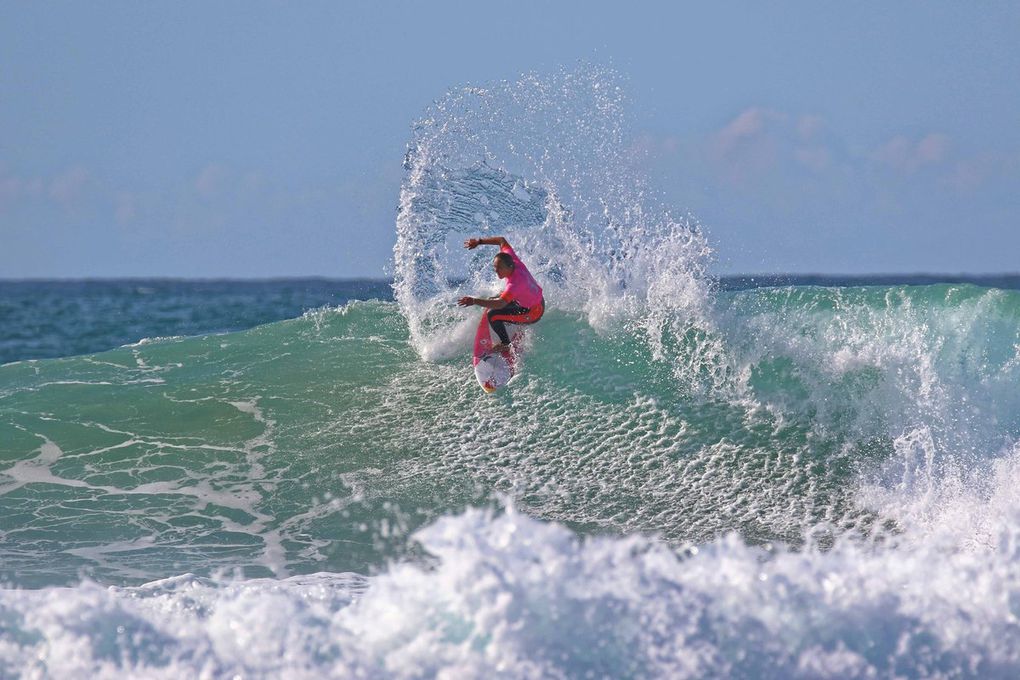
(521, 301)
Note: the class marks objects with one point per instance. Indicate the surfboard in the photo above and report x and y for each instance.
(493, 369)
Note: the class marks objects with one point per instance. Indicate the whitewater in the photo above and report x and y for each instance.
(684, 481)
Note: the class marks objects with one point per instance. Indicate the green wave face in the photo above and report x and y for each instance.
(320, 443)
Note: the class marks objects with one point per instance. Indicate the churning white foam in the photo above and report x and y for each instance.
(511, 596)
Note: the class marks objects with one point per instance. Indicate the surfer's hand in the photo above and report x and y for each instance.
(471, 243)
(466, 301)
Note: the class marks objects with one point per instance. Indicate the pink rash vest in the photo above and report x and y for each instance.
(520, 285)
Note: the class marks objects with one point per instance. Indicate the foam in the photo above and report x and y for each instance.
(511, 596)
(929, 370)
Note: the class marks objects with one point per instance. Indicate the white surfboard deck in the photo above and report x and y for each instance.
(494, 369)
(493, 372)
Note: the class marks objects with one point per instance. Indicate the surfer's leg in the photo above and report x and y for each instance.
(498, 318)
(500, 328)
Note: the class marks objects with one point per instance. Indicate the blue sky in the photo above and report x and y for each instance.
(249, 139)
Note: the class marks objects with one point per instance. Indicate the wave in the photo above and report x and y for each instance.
(839, 406)
(845, 506)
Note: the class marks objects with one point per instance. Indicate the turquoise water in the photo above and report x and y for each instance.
(689, 478)
(290, 462)
(321, 442)
(45, 319)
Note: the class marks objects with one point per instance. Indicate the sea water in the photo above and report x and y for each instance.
(690, 478)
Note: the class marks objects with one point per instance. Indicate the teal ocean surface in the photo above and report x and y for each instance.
(46, 319)
(846, 466)
(769, 478)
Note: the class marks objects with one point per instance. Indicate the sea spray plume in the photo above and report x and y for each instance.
(544, 160)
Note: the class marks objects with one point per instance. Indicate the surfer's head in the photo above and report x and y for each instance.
(503, 264)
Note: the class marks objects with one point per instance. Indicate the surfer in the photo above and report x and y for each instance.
(520, 302)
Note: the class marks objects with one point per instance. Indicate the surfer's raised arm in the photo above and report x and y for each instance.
(508, 267)
(473, 243)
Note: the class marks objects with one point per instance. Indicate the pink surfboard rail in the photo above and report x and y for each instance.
(483, 344)
(493, 371)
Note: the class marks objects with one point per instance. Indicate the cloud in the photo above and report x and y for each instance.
(760, 141)
(126, 208)
(14, 188)
(744, 131)
(744, 148)
(810, 126)
(253, 182)
(210, 180)
(10, 188)
(972, 173)
(816, 158)
(760, 145)
(904, 155)
(67, 187)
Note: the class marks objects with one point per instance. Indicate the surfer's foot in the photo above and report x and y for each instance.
(501, 347)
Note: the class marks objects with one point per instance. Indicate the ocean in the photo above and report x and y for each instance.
(748, 477)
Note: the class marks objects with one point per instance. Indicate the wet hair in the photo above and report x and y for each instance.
(505, 259)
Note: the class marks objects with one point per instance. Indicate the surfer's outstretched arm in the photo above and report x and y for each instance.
(473, 243)
(488, 303)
